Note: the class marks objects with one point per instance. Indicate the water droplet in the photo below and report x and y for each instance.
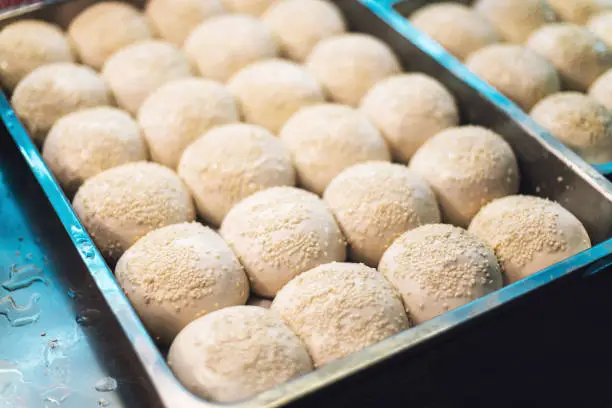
(83, 242)
(106, 384)
(55, 396)
(86, 248)
(9, 381)
(57, 364)
(14, 392)
(103, 403)
(88, 317)
(74, 294)
(23, 276)
(20, 315)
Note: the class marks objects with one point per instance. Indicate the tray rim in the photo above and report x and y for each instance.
(26, 7)
(169, 389)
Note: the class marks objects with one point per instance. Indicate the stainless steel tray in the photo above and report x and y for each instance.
(407, 7)
(112, 338)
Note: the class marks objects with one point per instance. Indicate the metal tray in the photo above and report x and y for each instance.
(80, 303)
(407, 7)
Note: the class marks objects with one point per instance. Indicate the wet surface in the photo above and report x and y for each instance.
(46, 359)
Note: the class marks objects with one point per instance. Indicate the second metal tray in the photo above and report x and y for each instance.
(406, 7)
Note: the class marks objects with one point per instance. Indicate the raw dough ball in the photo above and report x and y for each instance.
(177, 273)
(578, 11)
(601, 25)
(601, 90)
(104, 28)
(456, 27)
(409, 109)
(229, 163)
(326, 139)
(139, 69)
(515, 20)
(349, 65)
(85, 143)
(375, 203)
(439, 267)
(467, 167)
(28, 44)
(300, 24)
(516, 71)
(578, 55)
(174, 20)
(235, 353)
(279, 233)
(179, 112)
(580, 122)
(340, 308)
(120, 205)
(259, 302)
(224, 45)
(54, 90)
(252, 7)
(269, 92)
(529, 234)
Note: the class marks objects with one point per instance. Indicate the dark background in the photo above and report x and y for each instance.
(552, 348)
